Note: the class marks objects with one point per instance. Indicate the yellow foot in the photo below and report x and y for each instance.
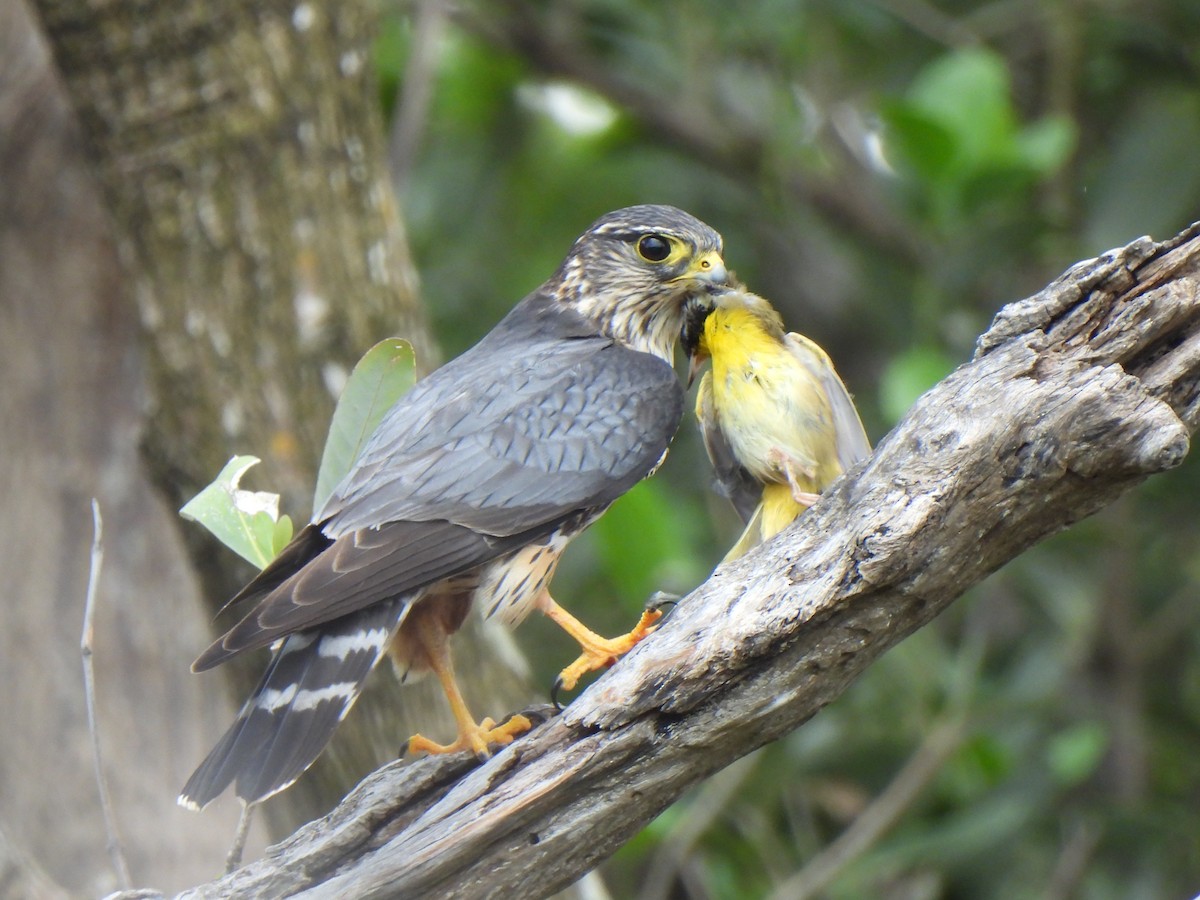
(599, 653)
(476, 739)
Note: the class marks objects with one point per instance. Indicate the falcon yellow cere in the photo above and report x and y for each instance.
(466, 494)
(778, 423)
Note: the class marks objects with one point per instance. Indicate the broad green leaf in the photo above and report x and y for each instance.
(247, 522)
(968, 93)
(645, 542)
(381, 378)
(282, 535)
(918, 142)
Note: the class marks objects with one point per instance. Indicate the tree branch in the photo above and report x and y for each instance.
(1074, 396)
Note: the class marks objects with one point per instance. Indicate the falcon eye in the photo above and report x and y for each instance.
(653, 247)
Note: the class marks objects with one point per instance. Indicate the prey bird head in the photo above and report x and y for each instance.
(693, 339)
(691, 336)
(634, 270)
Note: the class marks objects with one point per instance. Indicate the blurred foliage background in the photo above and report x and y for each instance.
(889, 173)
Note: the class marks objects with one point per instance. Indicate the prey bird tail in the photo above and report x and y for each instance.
(313, 679)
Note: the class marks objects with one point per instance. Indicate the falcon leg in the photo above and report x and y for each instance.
(598, 652)
(471, 736)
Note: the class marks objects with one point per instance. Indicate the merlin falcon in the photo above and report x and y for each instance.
(465, 495)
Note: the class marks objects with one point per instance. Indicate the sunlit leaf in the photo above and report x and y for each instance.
(1073, 754)
(247, 522)
(1045, 145)
(967, 92)
(381, 378)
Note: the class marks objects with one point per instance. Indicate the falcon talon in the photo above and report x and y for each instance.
(660, 599)
(540, 713)
(466, 494)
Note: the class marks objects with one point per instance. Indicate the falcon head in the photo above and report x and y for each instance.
(634, 270)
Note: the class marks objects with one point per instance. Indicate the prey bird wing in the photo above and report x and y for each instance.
(853, 445)
(734, 480)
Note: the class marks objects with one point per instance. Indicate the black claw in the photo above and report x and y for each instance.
(554, 689)
(539, 714)
(660, 599)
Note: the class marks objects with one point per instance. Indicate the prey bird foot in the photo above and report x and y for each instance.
(602, 653)
(804, 498)
(477, 739)
(793, 470)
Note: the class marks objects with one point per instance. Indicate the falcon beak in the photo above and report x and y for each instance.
(709, 268)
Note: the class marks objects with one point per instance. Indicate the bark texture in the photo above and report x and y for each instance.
(240, 152)
(69, 431)
(240, 149)
(1074, 396)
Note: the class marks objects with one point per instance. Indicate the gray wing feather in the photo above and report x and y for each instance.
(734, 480)
(853, 445)
(545, 430)
(504, 445)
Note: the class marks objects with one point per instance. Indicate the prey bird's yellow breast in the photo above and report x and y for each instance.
(769, 399)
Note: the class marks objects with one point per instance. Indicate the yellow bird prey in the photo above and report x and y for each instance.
(778, 423)
(466, 494)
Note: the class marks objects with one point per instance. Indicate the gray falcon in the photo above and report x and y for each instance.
(467, 493)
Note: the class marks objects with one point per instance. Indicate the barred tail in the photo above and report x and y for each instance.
(312, 681)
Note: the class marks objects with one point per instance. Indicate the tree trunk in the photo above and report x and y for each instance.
(240, 150)
(1074, 396)
(69, 426)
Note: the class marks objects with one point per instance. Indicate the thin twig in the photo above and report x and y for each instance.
(411, 114)
(710, 802)
(880, 815)
(115, 848)
(233, 859)
(1073, 860)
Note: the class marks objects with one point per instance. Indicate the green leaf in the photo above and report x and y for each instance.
(967, 92)
(1074, 754)
(381, 378)
(247, 522)
(645, 541)
(918, 142)
(982, 763)
(1045, 145)
(282, 535)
